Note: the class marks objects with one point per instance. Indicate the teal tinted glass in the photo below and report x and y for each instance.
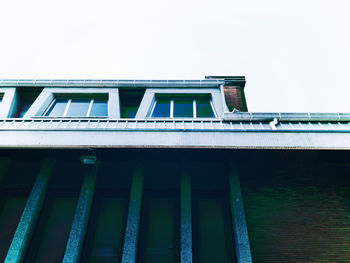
(99, 108)
(11, 208)
(23, 110)
(129, 111)
(183, 107)
(106, 228)
(158, 240)
(129, 102)
(204, 109)
(162, 108)
(212, 236)
(78, 107)
(25, 99)
(51, 235)
(57, 109)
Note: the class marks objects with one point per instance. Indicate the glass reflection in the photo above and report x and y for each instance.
(204, 109)
(162, 108)
(183, 108)
(78, 108)
(99, 108)
(57, 108)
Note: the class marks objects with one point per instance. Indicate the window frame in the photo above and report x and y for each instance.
(194, 97)
(151, 94)
(134, 95)
(64, 115)
(8, 101)
(49, 94)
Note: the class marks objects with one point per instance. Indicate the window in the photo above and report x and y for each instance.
(159, 239)
(1, 96)
(198, 106)
(51, 235)
(129, 102)
(11, 208)
(15, 189)
(211, 218)
(78, 107)
(104, 242)
(24, 100)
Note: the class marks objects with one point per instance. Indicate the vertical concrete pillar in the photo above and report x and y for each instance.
(133, 221)
(81, 218)
(239, 223)
(30, 214)
(186, 217)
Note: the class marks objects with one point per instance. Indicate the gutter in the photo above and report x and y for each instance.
(286, 117)
(206, 83)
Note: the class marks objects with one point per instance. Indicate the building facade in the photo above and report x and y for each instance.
(168, 171)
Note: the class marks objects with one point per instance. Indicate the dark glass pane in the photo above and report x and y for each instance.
(24, 99)
(14, 181)
(99, 108)
(162, 108)
(130, 102)
(212, 233)
(183, 108)
(57, 109)
(23, 110)
(204, 109)
(1, 95)
(11, 208)
(68, 175)
(159, 242)
(106, 231)
(51, 235)
(78, 108)
(129, 111)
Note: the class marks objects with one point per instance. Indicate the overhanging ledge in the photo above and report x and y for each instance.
(174, 139)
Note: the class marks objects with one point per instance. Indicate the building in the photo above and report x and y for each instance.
(168, 171)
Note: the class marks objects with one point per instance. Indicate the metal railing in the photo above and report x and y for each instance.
(100, 124)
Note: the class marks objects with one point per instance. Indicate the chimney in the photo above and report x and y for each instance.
(233, 91)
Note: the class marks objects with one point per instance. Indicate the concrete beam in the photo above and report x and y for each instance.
(239, 223)
(81, 218)
(30, 214)
(186, 217)
(133, 221)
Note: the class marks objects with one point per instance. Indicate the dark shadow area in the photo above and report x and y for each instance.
(297, 203)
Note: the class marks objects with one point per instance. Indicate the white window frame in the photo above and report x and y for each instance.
(8, 101)
(67, 108)
(194, 104)
(47, 97)
(147, 104)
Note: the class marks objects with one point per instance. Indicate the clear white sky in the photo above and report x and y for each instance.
(294, 53)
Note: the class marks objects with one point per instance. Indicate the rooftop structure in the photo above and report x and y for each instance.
(167, 171)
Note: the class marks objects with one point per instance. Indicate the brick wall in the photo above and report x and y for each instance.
(298, 210)
(235, 98)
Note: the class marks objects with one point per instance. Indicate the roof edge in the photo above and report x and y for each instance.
(109, 83)
(230, 80)
(285, 116)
